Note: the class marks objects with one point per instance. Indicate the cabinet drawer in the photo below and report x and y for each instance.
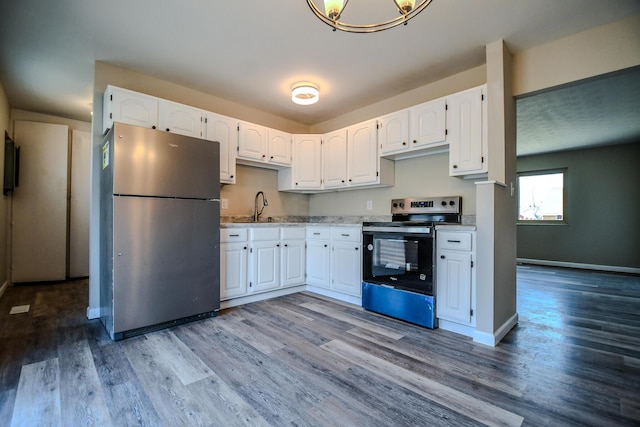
(233, 234)
(346, 234)
(264, 233)
(457, 241)
(318, 233)
(288, 233)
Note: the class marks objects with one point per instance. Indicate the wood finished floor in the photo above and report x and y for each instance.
(304, 360)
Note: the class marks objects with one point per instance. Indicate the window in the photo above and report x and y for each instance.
(541, 197)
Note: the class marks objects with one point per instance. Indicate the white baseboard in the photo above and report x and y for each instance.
(493, 339)
(260, 297)
(335, 295)
(4, 287)
(611, 268)
(466, 330)
(93, 313)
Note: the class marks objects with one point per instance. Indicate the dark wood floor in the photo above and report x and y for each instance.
(304, 360)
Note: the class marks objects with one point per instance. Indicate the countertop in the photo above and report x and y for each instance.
(284, 224)
(455, 227)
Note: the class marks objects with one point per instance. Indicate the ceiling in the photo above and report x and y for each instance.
(252, 53)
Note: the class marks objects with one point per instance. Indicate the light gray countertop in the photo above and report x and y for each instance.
(284, 224)
(455, 227)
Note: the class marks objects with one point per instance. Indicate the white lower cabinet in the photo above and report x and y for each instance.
(455, 294)
(346, 260)
(292, 256)
(233, 262)
(264, 259)
(318, 256)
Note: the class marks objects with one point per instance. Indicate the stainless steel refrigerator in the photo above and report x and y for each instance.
(160, 230)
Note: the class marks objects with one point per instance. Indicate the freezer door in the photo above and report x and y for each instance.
(166, 262)
(149, 162)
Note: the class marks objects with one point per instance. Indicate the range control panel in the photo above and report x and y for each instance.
(416, 205)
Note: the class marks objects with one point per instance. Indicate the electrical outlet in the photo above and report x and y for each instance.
(369, 205)
(224, 204)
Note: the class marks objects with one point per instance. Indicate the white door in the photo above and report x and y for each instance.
(307, 155)
(180, 119)
(334, 159)
(318, 263)
(39, 207)
(394, 132)
(252, 141)
(464, 126)
(428, 123)
(292, 261)
(233, 270)
(265, 266)
(225, 131)
(454, 286)
(362, 153)
(79, 204)
(134, 108)
(346, 268)
(279, 147)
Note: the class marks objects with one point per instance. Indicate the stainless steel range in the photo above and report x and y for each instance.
(399, 258)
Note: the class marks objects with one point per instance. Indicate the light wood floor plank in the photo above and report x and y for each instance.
(38, 397)
(465, 404)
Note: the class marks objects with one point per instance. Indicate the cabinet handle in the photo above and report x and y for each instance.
(153, 127)
(286, 246)
(325, 245)
(415, 141)
(344, 235)
(404, 143)
(271, 157)
(316, 234)
(455, 166)
(231, 177)
(349, 179)
(264, 155)
(441, 256)
(453, 241)
(356, 249)
(245, 248)
(234, 235)
(167, 129)
(343, 181)
(278, 245)
(296, 183)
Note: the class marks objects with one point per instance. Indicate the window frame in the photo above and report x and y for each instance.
(538, 172)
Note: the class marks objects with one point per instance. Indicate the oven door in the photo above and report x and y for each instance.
(403, 259)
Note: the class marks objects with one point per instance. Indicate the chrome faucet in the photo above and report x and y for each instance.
(256, 212)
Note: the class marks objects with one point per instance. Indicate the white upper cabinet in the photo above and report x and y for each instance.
(126, 106)
(394, 132)
(428, 124)
(465, 129)
(252, 142)
(180, 119)
(279, 148)
(305, 172)
(362, 153)
(334, 159)
(225, 131)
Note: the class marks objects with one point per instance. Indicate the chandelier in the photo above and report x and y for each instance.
(334, 8)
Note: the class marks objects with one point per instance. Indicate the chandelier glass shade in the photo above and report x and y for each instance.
(333, 9)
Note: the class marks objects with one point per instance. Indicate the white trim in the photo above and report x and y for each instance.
(93, 313)
(335, 295)
(234, 302)
(4, 287)
(458, 328)
(493, 339)
(611, 268)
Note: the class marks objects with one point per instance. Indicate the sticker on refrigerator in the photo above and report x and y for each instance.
(105, 155)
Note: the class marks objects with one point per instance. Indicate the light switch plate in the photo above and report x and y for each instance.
(224, 204)
(17, 309)
(369, 205)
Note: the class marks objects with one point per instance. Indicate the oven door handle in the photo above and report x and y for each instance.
(410, 230)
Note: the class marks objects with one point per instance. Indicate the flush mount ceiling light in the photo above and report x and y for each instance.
(334, 8)
(304, 94)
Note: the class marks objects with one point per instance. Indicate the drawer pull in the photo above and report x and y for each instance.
(316, 234)
(344, 235)
(234, 235)
(453, 241)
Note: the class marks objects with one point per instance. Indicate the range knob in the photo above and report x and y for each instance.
(395, 205)
(452, 203)
(444, 203)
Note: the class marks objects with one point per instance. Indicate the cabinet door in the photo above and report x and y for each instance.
(318, 263)
(346, 268)
(252, 141)
(394, 132)
(292, 262)
(233, 270)
(464, 126)
(428, 123)
(362, 153)
(180, 119)
(307, 159)
(334, 159)
(454, 286)
(264, 265)
(225, 131)
(279, 147)
(130, 107)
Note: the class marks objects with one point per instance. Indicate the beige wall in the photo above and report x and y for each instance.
(586, 54)
(46, 118)
(4, 200)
